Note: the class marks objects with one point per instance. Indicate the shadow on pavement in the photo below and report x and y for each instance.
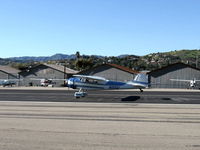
(130, 98)
(166, 99)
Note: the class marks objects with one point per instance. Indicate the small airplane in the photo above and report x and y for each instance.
(48, 82)
(8, 82)
(84, 82)
(192, 83)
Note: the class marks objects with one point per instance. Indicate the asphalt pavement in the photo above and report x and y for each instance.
(98, 126)
(104, 96)
(46, 119)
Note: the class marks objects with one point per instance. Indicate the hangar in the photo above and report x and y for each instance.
(7, 72)
(111, 72)
(160, 78)
(33, 75)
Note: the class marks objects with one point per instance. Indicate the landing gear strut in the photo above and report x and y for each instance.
(80, 94)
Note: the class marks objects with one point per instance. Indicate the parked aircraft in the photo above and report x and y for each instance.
(8, 82)
(48, 82)
(84, 82)
(192, 83)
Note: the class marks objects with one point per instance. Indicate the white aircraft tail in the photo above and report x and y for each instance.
(141, 78)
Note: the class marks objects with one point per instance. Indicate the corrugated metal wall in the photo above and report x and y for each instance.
(110, 73)
(4, 75)
(161, 78)
(41, 72)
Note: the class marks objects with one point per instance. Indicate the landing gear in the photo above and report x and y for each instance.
(141, 90)
(80, 94)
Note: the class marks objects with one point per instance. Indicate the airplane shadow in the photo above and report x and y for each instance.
(130, 98)
(166, 99)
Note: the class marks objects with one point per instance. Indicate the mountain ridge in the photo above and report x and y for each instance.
(147, 62)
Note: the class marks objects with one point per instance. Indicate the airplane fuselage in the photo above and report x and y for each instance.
(77, 83)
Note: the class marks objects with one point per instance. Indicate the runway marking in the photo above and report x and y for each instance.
(99, 133)
(98, 111)
(94, 118)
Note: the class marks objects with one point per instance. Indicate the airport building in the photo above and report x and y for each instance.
(111, 72)
(161, 78)
(7, 72)
(56, 73)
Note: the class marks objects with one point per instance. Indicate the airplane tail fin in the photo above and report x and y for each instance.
(141, 79)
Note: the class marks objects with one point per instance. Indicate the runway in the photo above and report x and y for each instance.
(99, 126)
(133, 96)
(121, 120)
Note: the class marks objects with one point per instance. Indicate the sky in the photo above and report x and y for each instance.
(97, 27)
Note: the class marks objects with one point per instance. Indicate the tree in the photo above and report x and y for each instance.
(78, 55)
(82, 64)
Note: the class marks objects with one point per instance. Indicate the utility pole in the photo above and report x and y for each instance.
(197, 61)
(64, 72)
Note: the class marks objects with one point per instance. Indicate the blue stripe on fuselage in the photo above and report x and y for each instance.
(115, 83)
(89, 87)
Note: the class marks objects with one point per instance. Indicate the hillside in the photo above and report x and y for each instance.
(157, 60)
(4, 61)
(26, 59)
(147, 62)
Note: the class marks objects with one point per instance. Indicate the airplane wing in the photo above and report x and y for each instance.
(34, 79)
(181, 80)
(11, 79)
(91, 77)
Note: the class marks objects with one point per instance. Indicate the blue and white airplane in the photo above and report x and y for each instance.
(84, 82)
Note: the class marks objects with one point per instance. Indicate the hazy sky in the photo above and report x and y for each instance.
(102, 27)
